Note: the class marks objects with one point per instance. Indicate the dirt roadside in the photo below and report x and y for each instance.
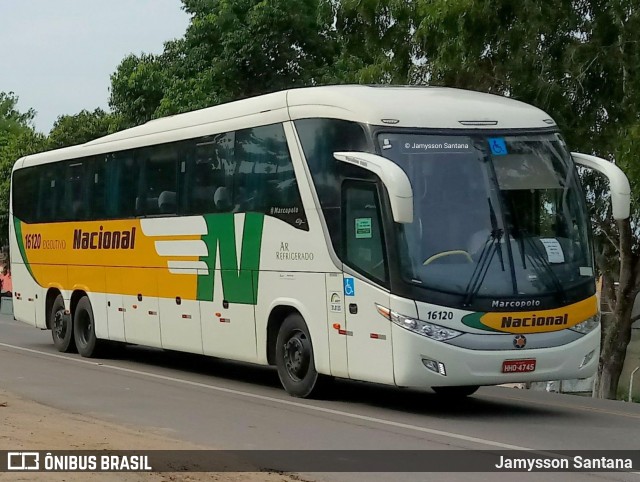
(27, 425)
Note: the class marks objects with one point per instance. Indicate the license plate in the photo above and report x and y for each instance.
(518, 366)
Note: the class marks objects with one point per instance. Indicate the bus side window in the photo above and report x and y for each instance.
(209, 180)
(74, 206)
(98, 187)
(50, 193)
(160, 180)
(25, 194)
(265, 181)
(122, 184)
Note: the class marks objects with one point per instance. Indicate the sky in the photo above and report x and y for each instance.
(57, 56)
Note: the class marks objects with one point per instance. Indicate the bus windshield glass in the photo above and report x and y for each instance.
(493, 215)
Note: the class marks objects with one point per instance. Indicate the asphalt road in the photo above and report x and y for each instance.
(227, 405)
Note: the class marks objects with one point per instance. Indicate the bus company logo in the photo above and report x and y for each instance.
(519, 341)
(104, 239)
(533, 321)
(515, 304)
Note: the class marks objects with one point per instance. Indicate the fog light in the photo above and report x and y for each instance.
(435, 366)
(587, 358)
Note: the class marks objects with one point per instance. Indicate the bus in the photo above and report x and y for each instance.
(419, 237)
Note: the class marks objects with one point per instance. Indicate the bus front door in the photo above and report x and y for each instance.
(368, 333)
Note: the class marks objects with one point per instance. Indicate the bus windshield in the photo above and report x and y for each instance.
(493, 215)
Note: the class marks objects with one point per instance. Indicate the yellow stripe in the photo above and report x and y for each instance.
(55, 262)
(541, 320)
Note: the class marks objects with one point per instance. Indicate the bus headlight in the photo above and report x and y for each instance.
(430, 330)
(587, 325)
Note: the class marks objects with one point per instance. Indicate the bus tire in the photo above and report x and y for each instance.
(84, 330)
(61, 327)
(456, 392)
(294, 358)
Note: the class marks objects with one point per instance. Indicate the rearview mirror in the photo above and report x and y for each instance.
(618, 182)
(393, 177)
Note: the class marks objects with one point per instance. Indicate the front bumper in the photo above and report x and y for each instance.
(478, 367)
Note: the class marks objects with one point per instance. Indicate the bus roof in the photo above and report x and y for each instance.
(400, 106)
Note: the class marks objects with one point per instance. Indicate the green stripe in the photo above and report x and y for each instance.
(474, 321)
(17, 224)
(238, 285)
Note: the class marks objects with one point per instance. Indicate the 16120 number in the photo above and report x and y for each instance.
(439, 315)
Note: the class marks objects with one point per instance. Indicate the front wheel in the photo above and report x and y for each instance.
(456, 392)
(294, 358)
(84, 329)
(61, 327)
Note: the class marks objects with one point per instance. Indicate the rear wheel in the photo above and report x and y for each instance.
(294, 358)
(61, 326)
(84, 329)
(456, 392)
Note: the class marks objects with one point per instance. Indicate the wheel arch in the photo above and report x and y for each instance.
(52, 294)
(75, 297)
(277, 315)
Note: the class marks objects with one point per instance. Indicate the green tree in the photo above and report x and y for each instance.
(12, 121)
(374, 41)
(17, 139)
(69, 130)
(231, 50)
(138, 87)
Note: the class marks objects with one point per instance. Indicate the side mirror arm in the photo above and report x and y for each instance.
(393, 177)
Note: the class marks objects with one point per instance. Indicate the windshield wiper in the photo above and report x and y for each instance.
(498, 232)
(482, 268)
(541, 261)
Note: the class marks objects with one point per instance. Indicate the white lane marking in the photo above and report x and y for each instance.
(189, 225)
(181, 248)
(290, 403)
(188, 267)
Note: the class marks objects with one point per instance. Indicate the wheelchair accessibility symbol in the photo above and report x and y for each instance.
(349, 287)
(498, 146)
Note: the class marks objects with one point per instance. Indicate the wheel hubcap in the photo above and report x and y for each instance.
(297, 356)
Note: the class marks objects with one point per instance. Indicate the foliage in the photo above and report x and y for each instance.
(83, 127)
(17, 139)
(231, 50)
(374, 41)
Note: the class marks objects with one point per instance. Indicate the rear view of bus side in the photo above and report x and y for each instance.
(418, 237)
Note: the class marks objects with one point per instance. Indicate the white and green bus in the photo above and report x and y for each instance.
(409, 236)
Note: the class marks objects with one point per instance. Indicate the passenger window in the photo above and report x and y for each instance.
(98, 187)
(210, 175)
(244, 171)
(160, 180)
(74, 205)
(50, 193)
(363, 237)
(265, 180)
(123, 185)
(25, 194)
